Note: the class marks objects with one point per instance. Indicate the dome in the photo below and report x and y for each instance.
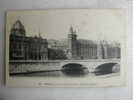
(18, 29)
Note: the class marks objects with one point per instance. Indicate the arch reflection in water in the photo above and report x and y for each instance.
(74, 69)
(107, 68)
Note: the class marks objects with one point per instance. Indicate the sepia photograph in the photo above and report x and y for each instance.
(66, 48)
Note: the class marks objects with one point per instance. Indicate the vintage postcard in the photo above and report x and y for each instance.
(66, 48)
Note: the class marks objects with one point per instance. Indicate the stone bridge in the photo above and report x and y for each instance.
(91, 64)
(28, 66)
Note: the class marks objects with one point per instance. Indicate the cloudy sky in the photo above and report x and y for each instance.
(92, 24)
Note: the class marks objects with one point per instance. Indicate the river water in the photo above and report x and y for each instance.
(60, 74)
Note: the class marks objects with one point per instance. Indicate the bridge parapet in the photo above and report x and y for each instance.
(33, 65)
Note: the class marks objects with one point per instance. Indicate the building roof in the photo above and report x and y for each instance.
(18, 28)
(86, 42)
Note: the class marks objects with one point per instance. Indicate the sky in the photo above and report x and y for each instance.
(92, 24)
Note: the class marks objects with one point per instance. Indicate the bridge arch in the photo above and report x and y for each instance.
(90, 64)
(107, 68)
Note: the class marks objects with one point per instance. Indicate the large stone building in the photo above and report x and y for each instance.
(75, 48)
(23, 47)
(80, 48)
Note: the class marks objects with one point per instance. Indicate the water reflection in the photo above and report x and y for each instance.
(58, 74)
(74, 69)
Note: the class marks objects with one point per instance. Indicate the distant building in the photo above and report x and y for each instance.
(75, 48)
(111, 50)
(26, 48)
(80, 48)
(23, 47)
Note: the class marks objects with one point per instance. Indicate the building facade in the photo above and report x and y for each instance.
(23, 47)
(75, 48)
(80, 48)
(26, 48)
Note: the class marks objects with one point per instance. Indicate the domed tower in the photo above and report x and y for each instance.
(17, 41)
(18, 29)
(72, 44)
